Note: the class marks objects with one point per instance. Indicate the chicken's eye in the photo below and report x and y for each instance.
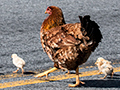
(48, 9)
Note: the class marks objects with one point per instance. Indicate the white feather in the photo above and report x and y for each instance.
(17, 61)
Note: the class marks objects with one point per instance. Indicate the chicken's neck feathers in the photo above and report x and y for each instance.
(53, 20)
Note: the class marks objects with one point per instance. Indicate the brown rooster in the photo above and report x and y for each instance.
(68, 45)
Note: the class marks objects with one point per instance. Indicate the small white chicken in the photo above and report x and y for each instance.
(105, 67)
(18, 62)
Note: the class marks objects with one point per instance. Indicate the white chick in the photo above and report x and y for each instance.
(104, 67)
(102, 60)
(18, 62)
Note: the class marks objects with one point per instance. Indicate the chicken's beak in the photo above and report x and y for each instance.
(45, 12)
(95, 63)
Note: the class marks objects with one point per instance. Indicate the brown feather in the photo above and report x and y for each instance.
(69, 45)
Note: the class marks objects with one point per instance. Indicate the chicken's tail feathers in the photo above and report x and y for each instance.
(92, 29)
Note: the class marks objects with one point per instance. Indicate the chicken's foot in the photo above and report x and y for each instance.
(16, 70)
(46, 72)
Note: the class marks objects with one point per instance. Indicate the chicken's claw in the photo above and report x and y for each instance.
(41, 75)
(77, 84)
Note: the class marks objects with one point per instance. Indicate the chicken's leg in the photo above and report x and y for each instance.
(46, 72)
(22, 70)
(99, 72)
(68, 72)
(112, 74)
(104, 77)
(77, 79)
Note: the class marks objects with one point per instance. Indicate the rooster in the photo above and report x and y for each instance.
(68, 45)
